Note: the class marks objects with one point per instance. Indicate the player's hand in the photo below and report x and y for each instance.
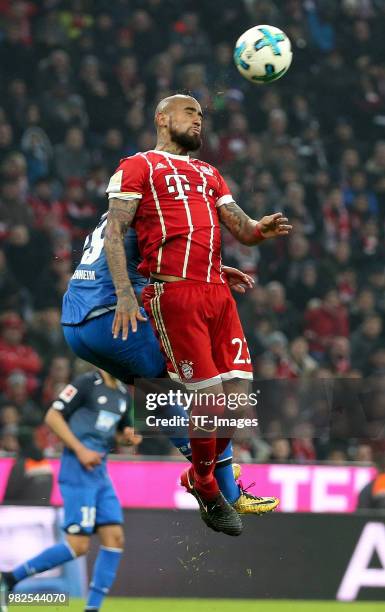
(127, 314)
(275, 225)
(89, 458)
(130, 437)
(238, 281)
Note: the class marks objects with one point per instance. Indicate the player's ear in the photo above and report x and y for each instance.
(161, 120)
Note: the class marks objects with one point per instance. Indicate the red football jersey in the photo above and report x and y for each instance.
(177, 221)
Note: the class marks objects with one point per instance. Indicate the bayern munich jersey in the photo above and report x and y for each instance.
(176, 221)
(91, 286)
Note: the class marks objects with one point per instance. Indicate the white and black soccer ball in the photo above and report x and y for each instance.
(263, 54)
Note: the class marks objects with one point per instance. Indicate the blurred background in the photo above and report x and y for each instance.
(79, 81)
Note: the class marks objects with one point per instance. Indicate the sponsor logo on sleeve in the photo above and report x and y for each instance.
(68, 393)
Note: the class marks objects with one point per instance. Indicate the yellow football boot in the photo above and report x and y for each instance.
(250, 504)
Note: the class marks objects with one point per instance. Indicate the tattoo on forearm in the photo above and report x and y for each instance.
(122, 215)
(119, 220)
(237, 222)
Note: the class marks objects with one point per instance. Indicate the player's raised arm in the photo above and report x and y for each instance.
(120, 216)
(248, 231)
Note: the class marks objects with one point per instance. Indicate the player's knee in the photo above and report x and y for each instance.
(119, 540)
(113, 537)
(116, 540)
(79, 544)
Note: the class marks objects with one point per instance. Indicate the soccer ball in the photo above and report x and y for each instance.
(263, 54)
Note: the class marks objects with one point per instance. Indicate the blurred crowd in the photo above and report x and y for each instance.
(80, 80)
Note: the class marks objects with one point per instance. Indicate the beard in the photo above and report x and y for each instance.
(190, 142)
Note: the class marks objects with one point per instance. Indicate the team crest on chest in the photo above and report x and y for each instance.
(186, 369)
(206, 170)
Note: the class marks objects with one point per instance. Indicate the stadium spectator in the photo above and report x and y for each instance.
(364, 453)
(72, 160)
(335, 219)
(372, 496)
(306, 288)
(10, 290)
(80, 213)
(365, 340)
(280, 451)
(6, 139)
(37, 149)
(291, 269)
(337, 456)
(18, 394)
(112, 149)
(30, 480)
(16, 58)
(13, 206)
(8, 442)
(55, 69)
(194, 41)
(302, 443)
(9, 420)
(236, 139)
(58, 377)
(301, 363)
(27, 245)
(295, 207)
(17, 102)
(47, 210)
(364, 305)
(46, 335)
(286, 317)
(61, 110)
(277, 345)
(14, 354)
(49, 289)
(323, 322)
(94, 91)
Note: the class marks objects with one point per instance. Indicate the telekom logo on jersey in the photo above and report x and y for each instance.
(178, 183)
(181, 185)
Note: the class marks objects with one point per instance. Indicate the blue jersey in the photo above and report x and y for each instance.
(94, 412)
(91, 286)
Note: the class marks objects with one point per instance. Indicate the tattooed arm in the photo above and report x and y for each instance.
(120, 216)
(250, 232)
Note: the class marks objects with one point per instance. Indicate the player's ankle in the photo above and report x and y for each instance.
(208, 489)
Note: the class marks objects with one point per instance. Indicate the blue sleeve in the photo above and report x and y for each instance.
(73, 396)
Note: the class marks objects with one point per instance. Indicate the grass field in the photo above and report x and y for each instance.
(214, 605)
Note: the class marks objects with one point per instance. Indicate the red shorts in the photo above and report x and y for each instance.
(200, 332)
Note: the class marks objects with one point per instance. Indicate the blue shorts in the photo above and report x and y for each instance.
(88, 507)
(138, 356)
